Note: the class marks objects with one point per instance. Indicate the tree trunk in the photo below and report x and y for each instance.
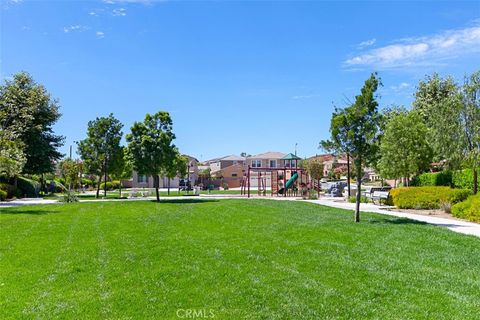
(120, 189)
(98, 187)
(348, 176)
(475, 181)
(359, 191)
(157, 183)
(318, 188)
(105, 182)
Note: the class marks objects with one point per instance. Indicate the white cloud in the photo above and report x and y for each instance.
(92, 13)
(74, 28)
(400, 87)
(305, 96)
(121, 12)
(367, 43)
(421, 50)
(100, 34)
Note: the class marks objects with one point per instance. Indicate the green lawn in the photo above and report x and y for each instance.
(257, 259)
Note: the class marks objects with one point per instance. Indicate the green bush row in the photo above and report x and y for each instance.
(461, 179)
(468, 209)
(427, 197)
(111, 185)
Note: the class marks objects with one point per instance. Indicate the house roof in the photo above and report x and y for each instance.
(291, 156)
(233, 158)
(269, 155)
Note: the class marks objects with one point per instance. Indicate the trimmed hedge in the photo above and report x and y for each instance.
(468, 209)
(427, 197)
(28, 187)
(443, 178)
(3, 195)
(460, 179)
(111, 185)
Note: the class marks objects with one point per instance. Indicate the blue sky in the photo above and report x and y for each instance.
(235, 76)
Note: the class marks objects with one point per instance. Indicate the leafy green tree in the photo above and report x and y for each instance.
(404, 149)
(204, 175)
(314, 169)
(470, 125)
(101, 148)
(438, 101)
(12, 158)
(70, 171)
(121, 168)
(150, 146)
(356, 129)
(28, 113)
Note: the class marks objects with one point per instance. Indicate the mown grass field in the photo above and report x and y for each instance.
(255, 259)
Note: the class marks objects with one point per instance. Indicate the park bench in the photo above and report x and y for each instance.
(378, 194)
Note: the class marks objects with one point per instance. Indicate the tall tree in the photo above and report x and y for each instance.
(150, 146)
(28, 113)
(356, 129)
(470, 125)
(438, 101)
(404, 150)
(315, 170)
(121, 168)
(101, 148)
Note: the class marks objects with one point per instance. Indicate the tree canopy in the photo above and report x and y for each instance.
(404, 149)
(355, 129)
(27, 116)
(150, 146)
(101, 148)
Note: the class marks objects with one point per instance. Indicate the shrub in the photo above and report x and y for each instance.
(115, 184)
(463, 179)
(468, 209)
(427, 197)
(109, 186)
(68, 197)
(443, 178)
(3, 195)
(87, 182)
(9, 189)
(27, 187)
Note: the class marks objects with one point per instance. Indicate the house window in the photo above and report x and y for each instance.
(142, 179)
(256, 163)
(273, 163)
(234, 174)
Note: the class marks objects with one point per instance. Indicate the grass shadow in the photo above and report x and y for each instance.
(16, 210)
(396, 221)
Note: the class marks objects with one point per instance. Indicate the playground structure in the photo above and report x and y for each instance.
(287, 181)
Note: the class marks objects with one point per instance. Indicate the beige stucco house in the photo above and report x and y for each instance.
(143, 181)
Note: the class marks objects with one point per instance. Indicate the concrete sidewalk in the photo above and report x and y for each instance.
(464, 227)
